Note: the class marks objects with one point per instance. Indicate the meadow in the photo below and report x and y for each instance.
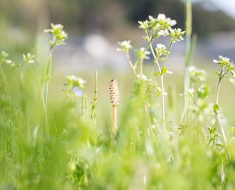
(145, 129)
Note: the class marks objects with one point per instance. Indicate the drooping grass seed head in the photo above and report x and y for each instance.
(114, 92)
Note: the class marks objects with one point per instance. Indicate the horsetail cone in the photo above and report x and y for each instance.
(114, 99)
(114, 92)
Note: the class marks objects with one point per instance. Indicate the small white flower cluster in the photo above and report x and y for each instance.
(225, 63)
(143, 54)
(164, 19)
(197, 74)
(75, 81)
(4, 59)
(222, 60)
(162, 26)
(124, 46)
(161, 51)
(29, 58)
(75, 84)
(58, 35)
(176, 35)
(227, 68)
(154, 28)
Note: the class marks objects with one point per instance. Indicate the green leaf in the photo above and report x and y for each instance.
(157, 74)
(216, 108)
(164, 70)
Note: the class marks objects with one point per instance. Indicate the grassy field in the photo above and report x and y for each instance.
(58, 132)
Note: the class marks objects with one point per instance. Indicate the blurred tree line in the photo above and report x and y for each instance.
(88, 15)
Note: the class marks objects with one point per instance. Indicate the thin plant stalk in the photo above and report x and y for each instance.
(163, 103)
(114, 99)
(133, 65)
(45, 88)
(188, 60)
(141, 67)
(162, 88)
(45, 111)
(48, 74)
(187, 81)
(217, 117)
(114, 120)
(58, 38)
(130, 63)
(162, 81)
(145, 49)
(169, 50)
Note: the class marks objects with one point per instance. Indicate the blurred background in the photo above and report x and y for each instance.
(95, 27)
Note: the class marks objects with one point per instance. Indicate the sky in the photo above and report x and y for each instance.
(228, 6)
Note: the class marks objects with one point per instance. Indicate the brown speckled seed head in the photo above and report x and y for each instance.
(114, 92)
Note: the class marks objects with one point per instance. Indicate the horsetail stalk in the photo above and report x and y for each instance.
(114, 99)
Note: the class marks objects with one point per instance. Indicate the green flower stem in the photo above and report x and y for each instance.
(218, 91)
(155, 58)
(149, 42)
(45, 110)
(162, 80)
(168, 52)
(190, 47)
(149, 45)
(145, 49)
(48, 74)
(131, 63)
(218, 120)
(45, 88)
(141, 67)
(188, 61)
(162, 89)
(163, 103)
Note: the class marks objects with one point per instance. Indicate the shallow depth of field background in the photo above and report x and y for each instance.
(95, 27)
